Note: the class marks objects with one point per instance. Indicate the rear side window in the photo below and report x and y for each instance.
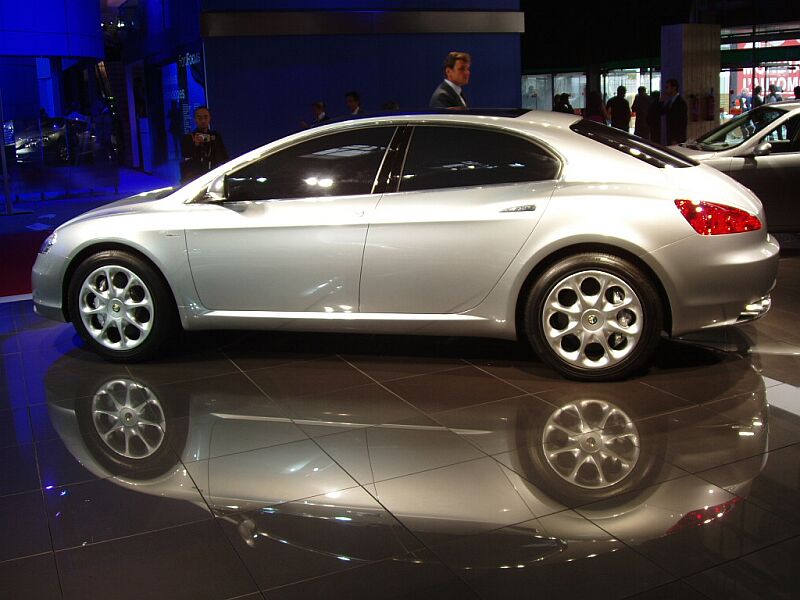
(339, 164)
(652, 154)
(447, 157)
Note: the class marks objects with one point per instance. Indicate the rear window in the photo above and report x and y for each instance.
(646, 151)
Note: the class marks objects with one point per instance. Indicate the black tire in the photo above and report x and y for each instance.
(159, 316)
(636, 351)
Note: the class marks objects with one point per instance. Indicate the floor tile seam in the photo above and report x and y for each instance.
(689, 402)
(422, 547)
(249, 450)
(635, 595)
(267, 590)
(22, 493)
(134, 535)
(217, 514)
(376, 498)
(406, 377)
(239, 557)
(47, 516)
(686, 576)
(387, 389)
(481, 368)
(283, 364)
(635, 550)
(735, 558)
(283, 405)
(5, 561)
(162, 384)
(758, 504)
(482, 404)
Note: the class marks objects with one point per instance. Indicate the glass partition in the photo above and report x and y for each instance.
(537, 92)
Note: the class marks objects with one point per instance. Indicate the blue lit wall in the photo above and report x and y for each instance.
(260, 88)
(236, 5)
(50, 28)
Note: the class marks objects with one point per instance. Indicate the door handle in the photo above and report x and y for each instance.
(520, 208)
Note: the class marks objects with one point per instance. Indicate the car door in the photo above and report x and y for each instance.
(773, 177)
(466, 201)
(290, 235)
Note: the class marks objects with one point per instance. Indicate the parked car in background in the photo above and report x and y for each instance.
(56, 141)
(761, 150)
(585, 240)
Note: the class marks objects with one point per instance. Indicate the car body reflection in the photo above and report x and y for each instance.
(269, 483)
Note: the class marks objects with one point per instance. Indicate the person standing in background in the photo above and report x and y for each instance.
(641, 105)
(450, 92)
(620, 110)
(203, 148)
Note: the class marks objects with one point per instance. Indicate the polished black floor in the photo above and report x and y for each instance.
(281, 465)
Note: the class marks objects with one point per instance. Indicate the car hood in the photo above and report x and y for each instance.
(132, 204)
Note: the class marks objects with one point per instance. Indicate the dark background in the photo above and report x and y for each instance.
(575, 35)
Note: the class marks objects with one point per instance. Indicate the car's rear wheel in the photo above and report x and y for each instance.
(594, 317)
(121, 307)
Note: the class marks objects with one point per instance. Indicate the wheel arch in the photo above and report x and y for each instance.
(580, 248)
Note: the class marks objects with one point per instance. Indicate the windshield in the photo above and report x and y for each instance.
(738, 130)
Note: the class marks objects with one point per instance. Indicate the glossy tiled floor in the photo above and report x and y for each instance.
(310, 466)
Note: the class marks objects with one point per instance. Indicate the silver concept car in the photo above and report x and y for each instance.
(582, 239)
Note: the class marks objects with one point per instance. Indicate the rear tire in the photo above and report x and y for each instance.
(594, 317)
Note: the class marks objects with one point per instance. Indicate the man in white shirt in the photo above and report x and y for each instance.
(449, 94)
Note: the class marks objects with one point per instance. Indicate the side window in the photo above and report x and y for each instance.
(340, 164)
(784, 138)
(446, 157)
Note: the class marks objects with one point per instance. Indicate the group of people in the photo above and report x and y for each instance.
(662, 118)
(746, 101)
(203, 149)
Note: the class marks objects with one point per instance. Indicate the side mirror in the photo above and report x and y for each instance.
(216, 191)
(763, 149)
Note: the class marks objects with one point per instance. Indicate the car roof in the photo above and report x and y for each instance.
(478, 115)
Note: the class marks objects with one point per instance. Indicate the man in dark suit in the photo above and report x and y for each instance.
(203, 149)
(353, 102)
(674, 115)
(456, 75)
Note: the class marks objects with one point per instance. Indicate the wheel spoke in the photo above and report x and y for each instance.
(600, 479)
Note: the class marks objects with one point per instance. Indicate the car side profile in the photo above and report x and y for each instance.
(586, 241)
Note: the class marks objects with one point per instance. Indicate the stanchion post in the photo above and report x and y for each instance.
(6, 186)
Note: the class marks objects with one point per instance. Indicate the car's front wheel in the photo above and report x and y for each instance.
(594, 317)
(121, 307)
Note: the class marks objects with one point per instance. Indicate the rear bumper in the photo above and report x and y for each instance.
(713, 281)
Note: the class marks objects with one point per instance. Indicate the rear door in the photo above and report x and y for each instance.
(466, 200)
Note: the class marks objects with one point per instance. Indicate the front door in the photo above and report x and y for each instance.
(290, 236)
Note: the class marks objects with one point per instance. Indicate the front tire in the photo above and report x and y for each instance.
(121, 307)
(594, 317)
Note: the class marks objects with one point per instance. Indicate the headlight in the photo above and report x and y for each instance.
(48, 243)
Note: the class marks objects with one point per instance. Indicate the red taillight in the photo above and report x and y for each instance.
(703, 516)
(707, 218)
